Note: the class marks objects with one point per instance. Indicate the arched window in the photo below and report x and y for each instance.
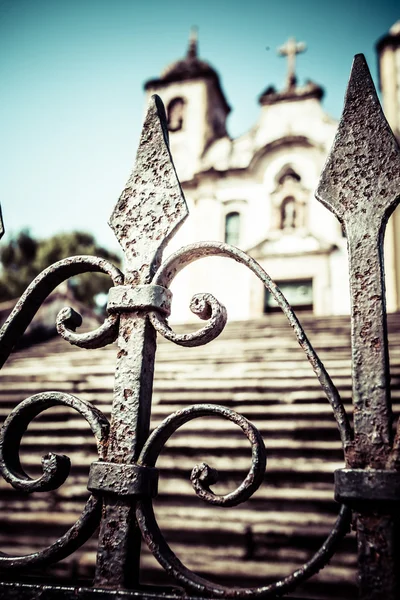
(232, 228)
(175, 113)
(288, 213)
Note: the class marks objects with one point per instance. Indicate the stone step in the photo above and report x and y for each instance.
(256, 368)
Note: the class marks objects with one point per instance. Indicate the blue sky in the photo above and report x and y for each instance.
(72, 78)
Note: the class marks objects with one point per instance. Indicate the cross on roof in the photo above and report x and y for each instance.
(290, 49)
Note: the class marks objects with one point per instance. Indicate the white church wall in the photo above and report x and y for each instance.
(249, 193)
(224, 278)
(268, 176)
(296, 117)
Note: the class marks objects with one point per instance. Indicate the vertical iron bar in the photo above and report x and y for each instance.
(149, 211)
(370, 357)
(376, 533)
(119, 540)
(360, 184)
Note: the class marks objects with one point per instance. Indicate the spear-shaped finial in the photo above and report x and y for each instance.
(362, 173)
(152, 205)
(360, 184)
(148, 213)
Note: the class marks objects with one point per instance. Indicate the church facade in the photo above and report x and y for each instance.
(257, 193)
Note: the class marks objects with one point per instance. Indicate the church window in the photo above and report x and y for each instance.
(232, 228)
(175, 114)
(288, 213)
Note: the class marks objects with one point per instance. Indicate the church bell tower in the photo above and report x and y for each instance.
(196, 108)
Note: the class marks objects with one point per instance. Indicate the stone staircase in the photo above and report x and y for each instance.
(255, 368)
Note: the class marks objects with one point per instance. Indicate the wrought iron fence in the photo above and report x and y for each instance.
(360, 184)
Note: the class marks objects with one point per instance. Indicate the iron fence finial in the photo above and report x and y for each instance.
(363, 166)
(152, 206)
(360, 184)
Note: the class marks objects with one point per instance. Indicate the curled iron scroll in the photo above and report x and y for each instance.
(55, 467)
(203, 476)
(34, 296)
(157, 543)
(217, 316)
(207, 307)
(55, 471)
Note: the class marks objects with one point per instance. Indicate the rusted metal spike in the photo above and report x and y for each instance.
(362, 173)
(360, 184)
(149, 211)
(152, 205)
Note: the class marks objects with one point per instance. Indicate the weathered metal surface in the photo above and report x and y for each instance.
(206, 306)
(55, 467)
(23, 591)
(151, 207)
(68, 320)
(123, 480)
(360, 184)
(199, 586)
(142, 297)
(34, 296)
(149, 211)
(34, 591)
(55, 471)
(358, 487)
(202, 477)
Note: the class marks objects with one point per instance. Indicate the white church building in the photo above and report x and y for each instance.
(257, 193)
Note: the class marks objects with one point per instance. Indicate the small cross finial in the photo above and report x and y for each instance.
(290, 49)
(193, 43)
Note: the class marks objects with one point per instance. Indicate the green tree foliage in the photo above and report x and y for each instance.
(23, 258)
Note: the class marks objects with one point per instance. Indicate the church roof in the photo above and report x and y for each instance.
(309, 90)
(187, 68)
(190, 67)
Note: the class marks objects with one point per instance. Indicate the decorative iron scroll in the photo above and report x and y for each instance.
(361, 185)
